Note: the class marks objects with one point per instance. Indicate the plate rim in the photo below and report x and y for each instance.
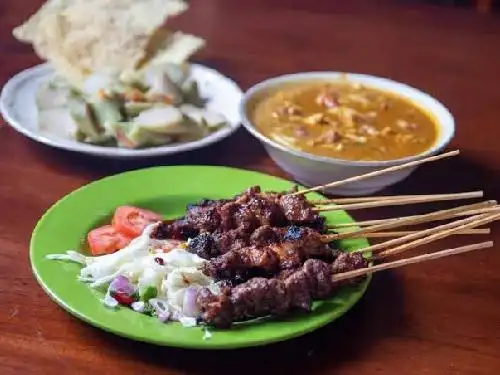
(201, 345)
(45, 69)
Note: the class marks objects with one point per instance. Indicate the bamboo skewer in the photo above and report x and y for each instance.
(408, 232)
(444, 217)
(426, 232)
(413, 260)
(439, 235)
(430, 197)
(397, 202)
(378, 172)
(406, 221)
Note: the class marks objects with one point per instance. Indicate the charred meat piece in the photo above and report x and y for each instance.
(266, 235)
(318, 274)
(297, 287)
(246, 212)
(204, 246)
(297, 209)
(205, 202)
(252, 209)
(260, 297)
(348, 261)
(250, 192)
(267, 210)
(204, 218)
(227, 215)
(233, 239)
(242, 264)
(217, 309)
(209, 245)
(177, 230)
(290, 247)
(162, 231)
(245, 219)
(300, 244)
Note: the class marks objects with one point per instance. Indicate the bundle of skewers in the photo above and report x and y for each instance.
(273, 252)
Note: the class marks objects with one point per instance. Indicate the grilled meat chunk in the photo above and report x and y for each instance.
(242, 264)
(290, 248)
(246, 212)
(260, 297)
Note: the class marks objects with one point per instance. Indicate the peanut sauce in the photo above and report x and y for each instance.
(344, 120)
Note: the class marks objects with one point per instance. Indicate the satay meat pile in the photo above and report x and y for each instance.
(267, 250)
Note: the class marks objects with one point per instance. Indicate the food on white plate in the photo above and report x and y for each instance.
(122, 77)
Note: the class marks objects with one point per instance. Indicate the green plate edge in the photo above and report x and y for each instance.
(167, 190)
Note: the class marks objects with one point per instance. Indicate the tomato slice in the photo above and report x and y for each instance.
(106, 240)
(131, 221)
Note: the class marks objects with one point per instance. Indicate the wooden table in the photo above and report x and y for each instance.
(438, 318)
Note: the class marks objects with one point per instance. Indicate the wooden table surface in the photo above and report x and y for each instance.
(439, 318)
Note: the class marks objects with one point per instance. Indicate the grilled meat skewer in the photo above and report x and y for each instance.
(208, 245)
(291, 290)
(269, 250)
(245, 212)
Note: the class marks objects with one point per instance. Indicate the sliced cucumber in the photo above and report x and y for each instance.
(160, 83)
(164, 120)
(107, 111)
(204, 117)
(191, 94)
(133, 109)
(81, 112)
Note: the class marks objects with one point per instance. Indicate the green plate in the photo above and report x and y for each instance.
(166, 190)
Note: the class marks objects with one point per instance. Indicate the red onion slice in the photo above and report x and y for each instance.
(121, 285)
(189, 304)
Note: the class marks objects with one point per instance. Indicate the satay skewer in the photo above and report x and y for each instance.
(409, 221)
(367, 223)
(435, 233)
(396, 202)
(378, 172)
(408, 232)
(439, 235)
(429, 197)
(412, 260)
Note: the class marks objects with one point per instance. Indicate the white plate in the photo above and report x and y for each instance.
(18, 107)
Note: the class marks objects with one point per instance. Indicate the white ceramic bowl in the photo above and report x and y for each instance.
(313, 170)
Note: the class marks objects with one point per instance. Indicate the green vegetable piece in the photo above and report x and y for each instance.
(107, 111)
(191, 94)
(79, 135)
(142, 87)
(121, 132)
(104, 140)
(132, 109)
(163, 120)
(148, 309)
(81, 112)
(147, 293)
(143, 137)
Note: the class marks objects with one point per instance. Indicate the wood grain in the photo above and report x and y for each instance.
(440, 318)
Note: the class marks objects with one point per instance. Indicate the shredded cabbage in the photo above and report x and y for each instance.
(171, 278)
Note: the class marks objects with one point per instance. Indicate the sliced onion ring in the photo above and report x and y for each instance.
(189, 304)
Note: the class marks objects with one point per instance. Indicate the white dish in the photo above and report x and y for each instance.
(18, 107)
(313, 170)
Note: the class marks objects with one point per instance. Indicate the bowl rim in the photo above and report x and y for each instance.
(444, 116)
